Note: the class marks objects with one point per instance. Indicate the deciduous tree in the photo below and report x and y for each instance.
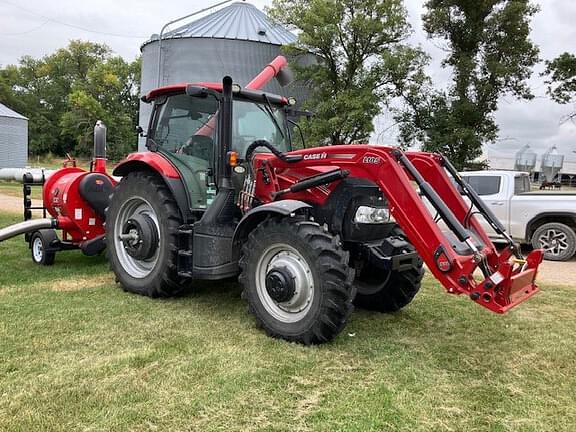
(562, 80)
(490, 54)
(361, 58)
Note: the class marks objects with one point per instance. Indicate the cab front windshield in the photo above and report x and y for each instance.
(188, 126)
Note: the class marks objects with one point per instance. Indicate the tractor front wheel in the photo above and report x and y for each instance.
(391, 290)
(142, 224)
(296, 280)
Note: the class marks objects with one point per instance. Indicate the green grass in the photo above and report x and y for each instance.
(77, 353)
(15, 189)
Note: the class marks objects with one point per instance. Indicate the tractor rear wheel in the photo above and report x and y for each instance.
(296, 280)
(142, 224)
(387, 291)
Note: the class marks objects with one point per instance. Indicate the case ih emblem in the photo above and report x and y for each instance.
(315, 156)
(374, 160)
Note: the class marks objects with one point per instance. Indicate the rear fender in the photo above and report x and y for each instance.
(156, 163)
(258, 214)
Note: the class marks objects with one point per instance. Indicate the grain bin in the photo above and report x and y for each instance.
(552, 162)
(238, 40)
(525, 159)
(13, 139)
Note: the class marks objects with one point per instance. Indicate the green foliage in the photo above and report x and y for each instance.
(562, 81)
(361, 61)
(490, 54)
(63, 94)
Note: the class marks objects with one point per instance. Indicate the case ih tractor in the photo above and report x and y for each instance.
(221, 194)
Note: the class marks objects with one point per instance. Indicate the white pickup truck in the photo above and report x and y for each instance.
(543, 219)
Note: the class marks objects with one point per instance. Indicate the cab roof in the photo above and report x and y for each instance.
(181, 88)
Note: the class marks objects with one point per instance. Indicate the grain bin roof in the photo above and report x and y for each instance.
(241, 21)
(7, 112)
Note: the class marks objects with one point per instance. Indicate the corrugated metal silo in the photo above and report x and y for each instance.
(238, 40)
(552, 163)
(13, 139)
(525, 159)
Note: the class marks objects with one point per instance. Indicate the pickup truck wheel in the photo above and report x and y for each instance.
(556, 239)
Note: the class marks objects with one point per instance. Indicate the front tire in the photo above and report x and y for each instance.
(296, 280)
(388, 291)
(142, 224)
(556, 239)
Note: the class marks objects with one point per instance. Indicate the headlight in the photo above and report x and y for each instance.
(372, 215)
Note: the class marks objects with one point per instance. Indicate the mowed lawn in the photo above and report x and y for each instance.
(77, 353)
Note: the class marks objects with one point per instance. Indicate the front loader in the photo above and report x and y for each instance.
(309, 232)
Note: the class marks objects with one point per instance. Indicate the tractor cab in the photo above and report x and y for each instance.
(185, 125)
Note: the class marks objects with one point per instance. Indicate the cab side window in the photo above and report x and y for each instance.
(484, 185)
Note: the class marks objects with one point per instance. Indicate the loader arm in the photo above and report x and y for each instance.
(404, 178)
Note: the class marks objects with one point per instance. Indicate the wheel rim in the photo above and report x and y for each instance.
(37, 249)
(286, 258)
(135, 267)
(554, 242)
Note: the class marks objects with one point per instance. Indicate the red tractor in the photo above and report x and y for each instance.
(310, 232)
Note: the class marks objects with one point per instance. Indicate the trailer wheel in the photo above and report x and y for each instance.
(40, 242)
(387, 291)
(556, 239)
(296, 280)
(142, 224)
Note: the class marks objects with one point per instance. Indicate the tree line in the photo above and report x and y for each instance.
(63, 94)
(365, 66)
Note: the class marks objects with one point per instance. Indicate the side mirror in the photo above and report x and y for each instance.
(140, 131)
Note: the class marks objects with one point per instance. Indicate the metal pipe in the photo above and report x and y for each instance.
(26, 227)
(99, 157)
(15, 174)
(271, 70)
(160, 71)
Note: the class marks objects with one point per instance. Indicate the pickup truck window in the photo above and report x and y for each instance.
(521, 185)
(484, 185)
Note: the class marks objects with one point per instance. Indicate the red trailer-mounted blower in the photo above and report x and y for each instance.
(75, 200)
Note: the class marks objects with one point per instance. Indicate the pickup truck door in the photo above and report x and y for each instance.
(493, 190)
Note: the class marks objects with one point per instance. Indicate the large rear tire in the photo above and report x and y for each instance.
(296, 280)
(387, 291)
(142, 224)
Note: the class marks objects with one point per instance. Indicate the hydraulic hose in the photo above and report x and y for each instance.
(26, 227)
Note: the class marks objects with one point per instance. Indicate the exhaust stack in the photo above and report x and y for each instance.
(99, 156)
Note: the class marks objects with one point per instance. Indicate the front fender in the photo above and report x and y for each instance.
(258, 214)
(155, 162)
(146, 161)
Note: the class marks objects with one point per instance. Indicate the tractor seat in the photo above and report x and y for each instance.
(95, 189)
(200, 146)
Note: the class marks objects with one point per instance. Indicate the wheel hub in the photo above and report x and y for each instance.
(280, 284)
(140, 237)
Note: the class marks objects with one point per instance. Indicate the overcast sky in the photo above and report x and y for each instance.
(38, 27)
